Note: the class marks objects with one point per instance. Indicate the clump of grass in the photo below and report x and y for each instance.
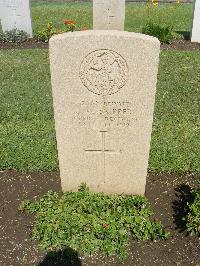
(88, 222)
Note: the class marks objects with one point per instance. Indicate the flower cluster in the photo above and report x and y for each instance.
(151, 2)
(154, 2)
(50, 30)
(71, 24)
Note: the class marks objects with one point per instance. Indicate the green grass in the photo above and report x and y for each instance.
(27, 129)
(42, 13)
(175, 140)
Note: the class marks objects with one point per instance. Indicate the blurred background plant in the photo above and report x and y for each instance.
(46, 33)
(14, 36)
(156, 22)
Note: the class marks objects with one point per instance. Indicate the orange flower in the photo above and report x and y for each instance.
(69, 22)
(154, 2)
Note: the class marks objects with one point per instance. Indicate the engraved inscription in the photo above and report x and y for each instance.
(105, 114)
(116, 113)
(12, 4)
(104, 72)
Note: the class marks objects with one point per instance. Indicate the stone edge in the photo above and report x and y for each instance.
(115, 33)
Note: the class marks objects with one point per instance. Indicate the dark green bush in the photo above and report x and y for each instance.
(193, 217)
(163, 33)
(14, 36)
(89, 222)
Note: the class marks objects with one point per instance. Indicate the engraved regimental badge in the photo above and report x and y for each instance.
(104, 72)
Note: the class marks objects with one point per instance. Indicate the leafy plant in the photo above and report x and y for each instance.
(193, 217)
(14, 36)
(89, 222)
(163, 33)
(45, 34)
(155, 26)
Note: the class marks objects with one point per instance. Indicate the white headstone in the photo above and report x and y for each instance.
(104, 85)
(108, 14)
(16, 14)
(195, 36)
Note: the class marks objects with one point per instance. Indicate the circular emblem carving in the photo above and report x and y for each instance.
(104, 72)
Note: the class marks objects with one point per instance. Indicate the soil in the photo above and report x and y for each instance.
(167, 193)
(181, 44)
(30, 44)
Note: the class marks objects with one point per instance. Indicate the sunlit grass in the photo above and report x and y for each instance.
(26, 117)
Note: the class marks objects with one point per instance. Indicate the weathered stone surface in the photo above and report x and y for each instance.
(104, 84)
(108, 15)
(195, 36)
(15, 14)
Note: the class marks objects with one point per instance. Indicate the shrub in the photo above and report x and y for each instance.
(193, 217)
(14, 36)
(156, 22)
(163, 33)
(87, 222)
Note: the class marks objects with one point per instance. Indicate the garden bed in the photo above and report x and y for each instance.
(184, 45)
(167, 193)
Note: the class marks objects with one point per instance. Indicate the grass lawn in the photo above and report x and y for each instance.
(180, 16)
(27, 128)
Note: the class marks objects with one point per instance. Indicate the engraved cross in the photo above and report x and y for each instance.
(103, 151)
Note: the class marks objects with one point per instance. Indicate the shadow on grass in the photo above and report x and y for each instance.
(185, 34)
(180, 207)
(66, 257)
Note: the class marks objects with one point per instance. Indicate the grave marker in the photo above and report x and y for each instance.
(104, 85)
(16, 14)
(108, 14)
